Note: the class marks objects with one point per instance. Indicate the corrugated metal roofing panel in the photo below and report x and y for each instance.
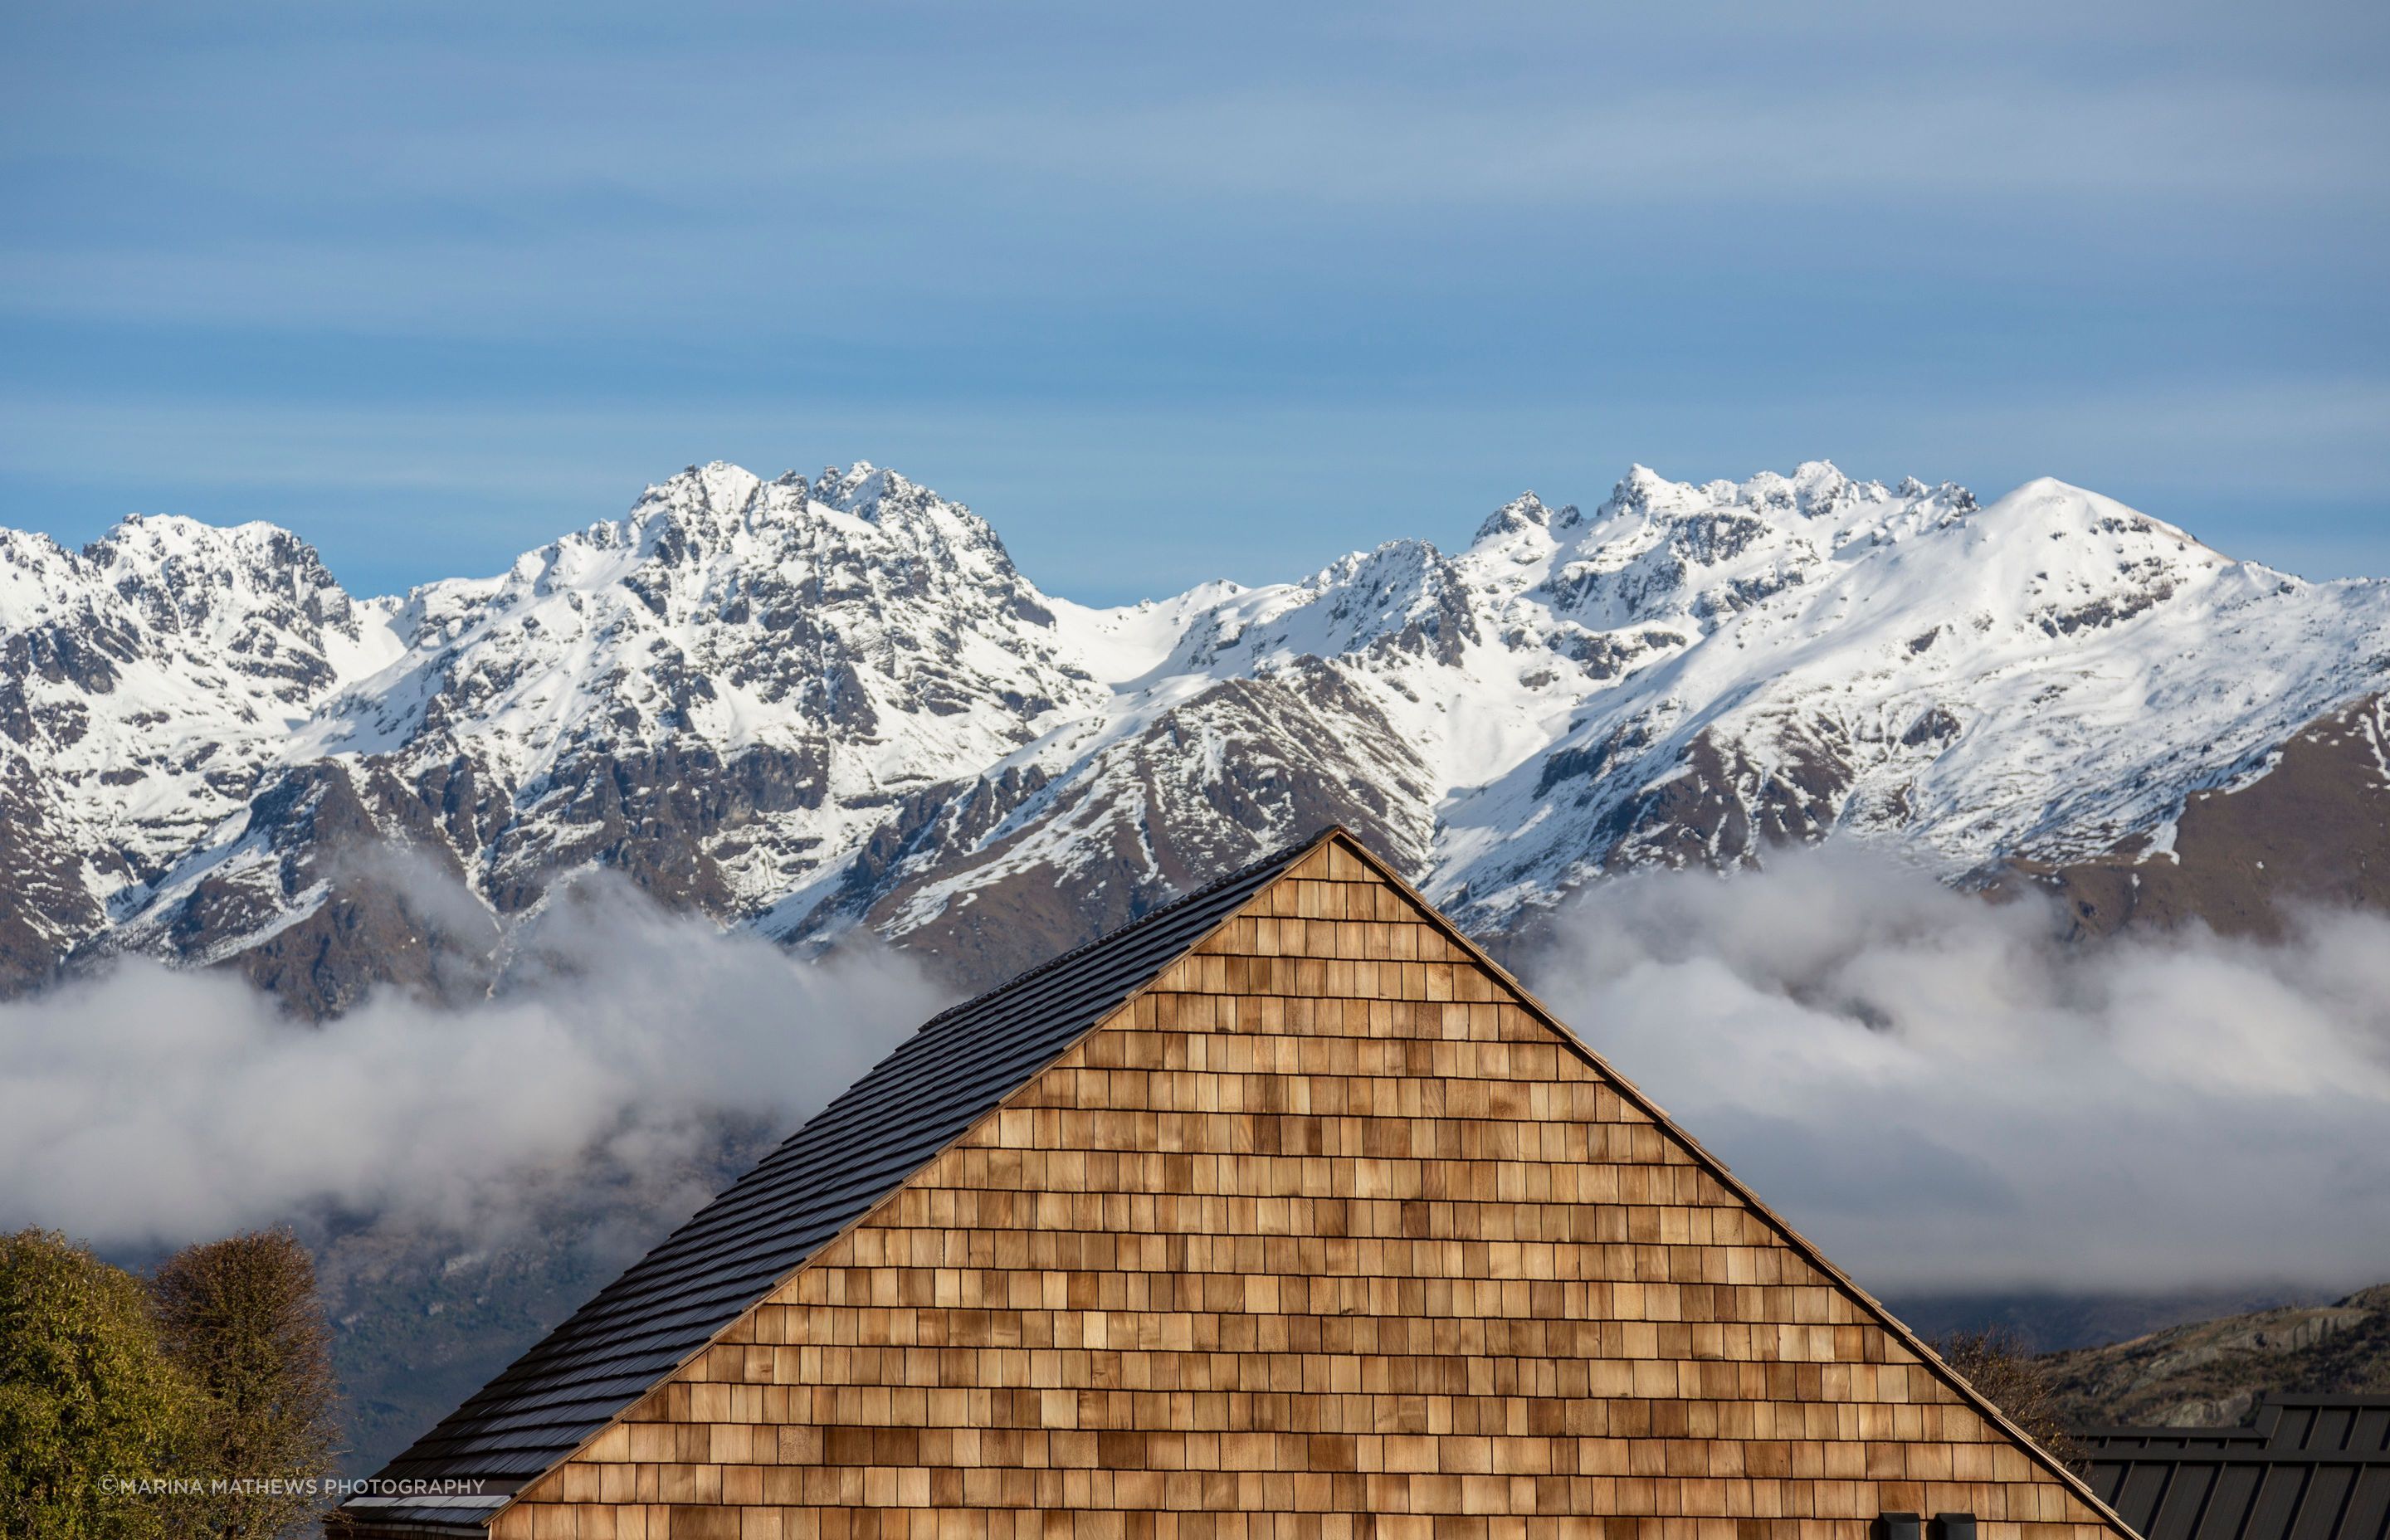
(2277, 1504)
(2186, 1498)
(829, 1174)
(2320, 1505)
(2229, 1505)
(2312, 1468)
(2144, 1486)
(2369, 1505)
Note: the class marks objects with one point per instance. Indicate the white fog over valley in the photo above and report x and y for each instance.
(1926, 1083)
(149, 1107)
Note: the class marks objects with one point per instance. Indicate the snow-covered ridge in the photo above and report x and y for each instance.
(149, 679)
(804, 704)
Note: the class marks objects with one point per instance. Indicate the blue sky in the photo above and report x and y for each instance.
(1170, 293)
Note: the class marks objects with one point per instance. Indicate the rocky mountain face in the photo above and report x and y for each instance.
(148, 686)
(2208, 1374)
(810, 707)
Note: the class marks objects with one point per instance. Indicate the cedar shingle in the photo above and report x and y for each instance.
(1314, 1227)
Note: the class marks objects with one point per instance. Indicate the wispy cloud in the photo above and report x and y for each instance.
(1674, 143)
(149, 1106)
(1936, 1090)
(1945, 1097)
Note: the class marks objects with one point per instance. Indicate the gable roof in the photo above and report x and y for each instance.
(856, 1150)
(2313, 1467)
(956, 1070)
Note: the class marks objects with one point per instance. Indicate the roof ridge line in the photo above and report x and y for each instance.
(1286, 853)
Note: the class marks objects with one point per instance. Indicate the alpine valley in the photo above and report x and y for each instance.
(807, 707)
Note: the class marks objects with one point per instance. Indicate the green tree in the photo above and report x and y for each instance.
(243, 1319)
(86, 1396)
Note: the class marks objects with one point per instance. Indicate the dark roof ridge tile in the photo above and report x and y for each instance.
(1283, 854)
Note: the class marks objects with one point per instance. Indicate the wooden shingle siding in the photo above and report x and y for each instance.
(1324, 1236)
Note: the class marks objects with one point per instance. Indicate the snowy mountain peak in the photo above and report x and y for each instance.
(2063, 508)
(147, 683)
(727, 519)
(1521, 514)
(855, 490)
(878, 494)
(1815, 490)
(185, 574)
(1638, 486)
(2082, 558)
(253, 598)
(812, 702)
(859, 487)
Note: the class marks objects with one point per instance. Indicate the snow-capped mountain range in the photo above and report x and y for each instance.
(809, 706)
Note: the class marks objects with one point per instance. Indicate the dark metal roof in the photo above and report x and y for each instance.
(912, 1104)
(2312, 1468)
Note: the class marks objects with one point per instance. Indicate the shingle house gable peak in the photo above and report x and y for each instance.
(1012, 1036)
(1340, 845)
(708, 1276)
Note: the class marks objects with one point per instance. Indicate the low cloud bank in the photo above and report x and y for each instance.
(153, 1107)
(1942, 1095)
(1930, 1086)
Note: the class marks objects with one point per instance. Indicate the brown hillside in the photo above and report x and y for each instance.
(2207, 1374)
